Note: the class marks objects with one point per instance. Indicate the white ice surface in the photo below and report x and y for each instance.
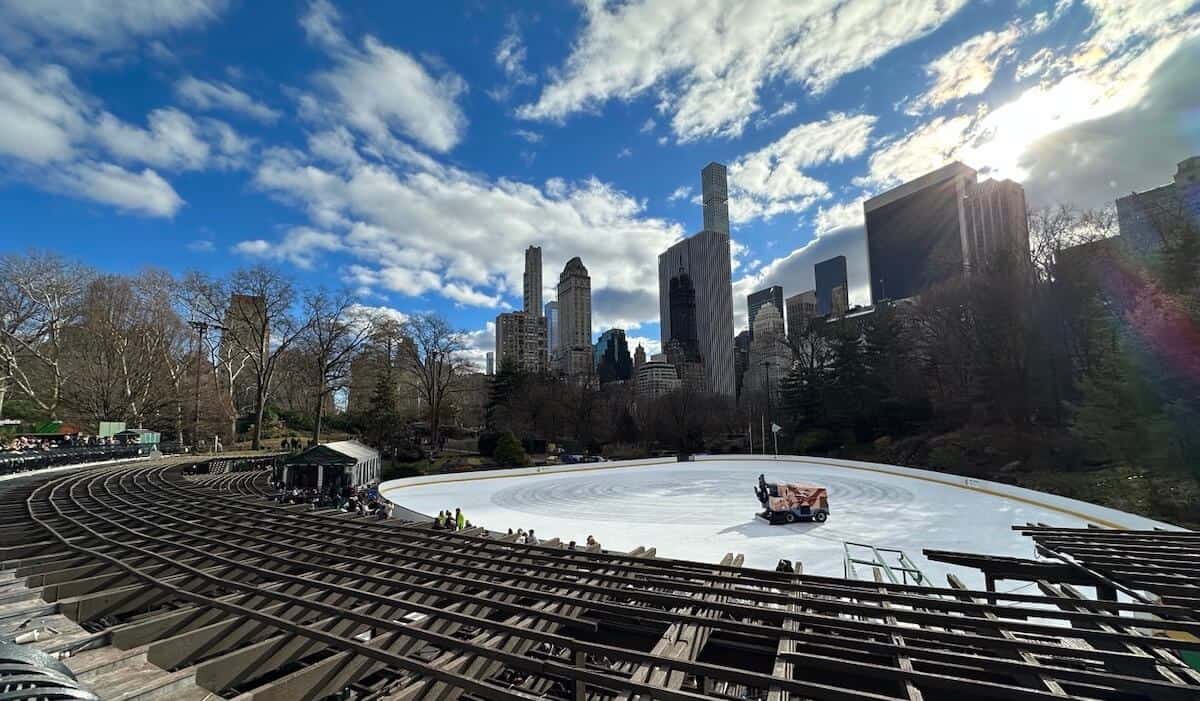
(702, 510)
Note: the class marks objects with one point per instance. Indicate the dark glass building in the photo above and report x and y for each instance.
(613, 362)
(830, 274)
(681, 295)
(741, 357)
(754, 301)
(917, 233)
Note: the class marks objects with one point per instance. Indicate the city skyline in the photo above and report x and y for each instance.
(178, 140)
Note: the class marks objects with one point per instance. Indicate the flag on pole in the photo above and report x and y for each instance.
(776, 428)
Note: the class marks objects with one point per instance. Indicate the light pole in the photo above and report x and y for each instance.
(766, 365)
(202, 328)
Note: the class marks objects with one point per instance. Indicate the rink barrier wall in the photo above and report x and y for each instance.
(1094, 513)
(422, 480)
(1099, 515)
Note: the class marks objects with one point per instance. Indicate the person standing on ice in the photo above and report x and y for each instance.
(459, 520)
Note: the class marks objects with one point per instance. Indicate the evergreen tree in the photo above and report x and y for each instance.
(1119, 415)
(848, 379)
(509, 452)
(506, 383)
(383, 396)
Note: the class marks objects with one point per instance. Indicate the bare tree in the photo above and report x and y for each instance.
(40, 295)
(120, 355)
(433, 363)
(336, 328)
(255, 307)
(159, 295)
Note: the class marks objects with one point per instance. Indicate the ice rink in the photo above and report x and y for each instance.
(702, 510)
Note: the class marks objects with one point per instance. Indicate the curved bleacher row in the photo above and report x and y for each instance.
(28, 460)
(221, 594)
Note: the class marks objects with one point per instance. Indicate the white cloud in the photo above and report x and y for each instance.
(1106, 74)
(652, 346)
(320, 23)
(772, 180)
(648, 125)
(479, 343)
(708, 60)
(201, 246)
(625, 152)
(172, 141)
(335, 145)
(1042, 62)
(784, 110)
(466, 295)
(447, 231)
(381, 312)
(141, 193)
(680, 193)
(42, 114)
(80, 30)
(531, 137)
(56, 137)
(381, 91)
(301, 246)
(966, 69)
(843, 215)
(928, 147)
(510, 56)
(205, 95)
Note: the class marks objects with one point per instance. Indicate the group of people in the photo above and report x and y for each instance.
(528, 538)
(365, 501)
(32, 444)
(292, 444)
(524, 538)
(447, 521)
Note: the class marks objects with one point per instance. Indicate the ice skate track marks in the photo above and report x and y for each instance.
(680, 496)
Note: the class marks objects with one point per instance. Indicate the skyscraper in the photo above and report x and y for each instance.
(1143, 217)
(755, 300)
(916, 233)
(656, 378)
(997, 224)
(613, 363)
(552, 328)
(829, 274)
(770, 359)
(841, 301)
(741, 359)
(491, 363)
(941, 225)
(533, 280)
(801, 310)
(681, 295)
(715, 194)
(639, 357)
(704, 257)
(575, 321)
(521, 341)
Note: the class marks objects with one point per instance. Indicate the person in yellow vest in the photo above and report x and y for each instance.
(459, 520)
(440, 524)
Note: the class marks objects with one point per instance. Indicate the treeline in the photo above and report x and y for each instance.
(538, 409)
(198, 356)
(1094, 342)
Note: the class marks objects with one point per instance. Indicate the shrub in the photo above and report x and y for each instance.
(509, 452)
(487, 443)
(817, 440)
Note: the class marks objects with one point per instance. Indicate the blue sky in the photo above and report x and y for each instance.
(413, 150)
